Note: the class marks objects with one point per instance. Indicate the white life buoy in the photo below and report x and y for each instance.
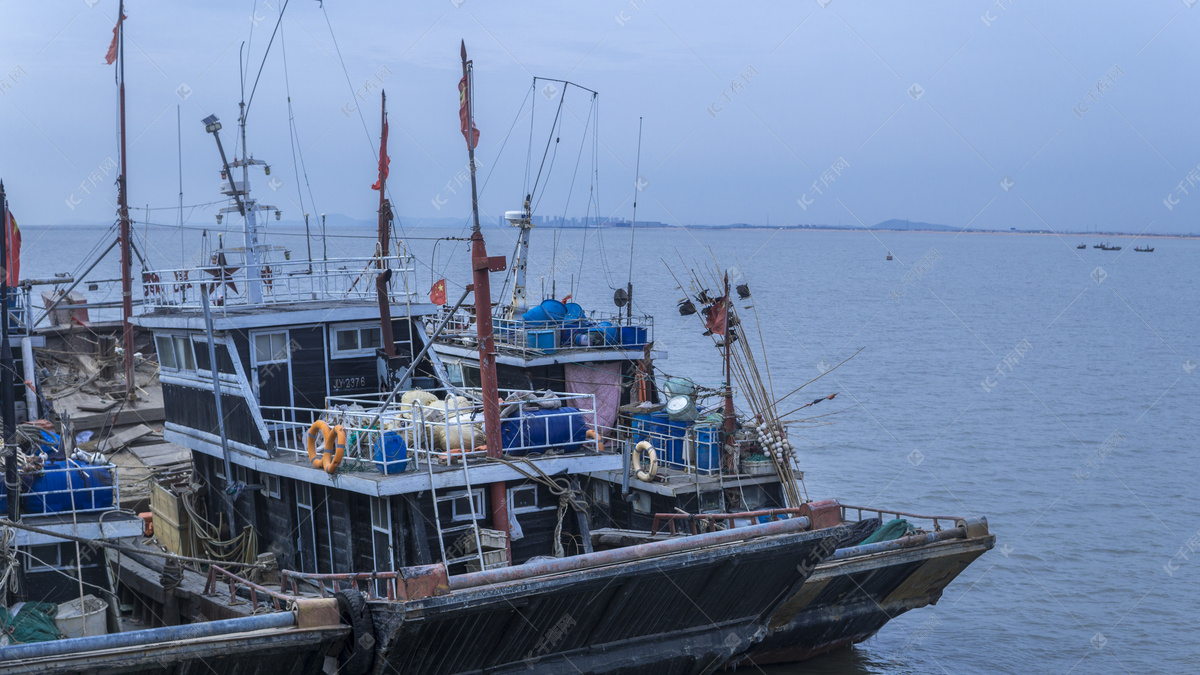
(642, 474)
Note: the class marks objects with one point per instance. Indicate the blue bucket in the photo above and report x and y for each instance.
(708, 448)
(390, 453)
(554, 309)
(633, 336)
(545, 340)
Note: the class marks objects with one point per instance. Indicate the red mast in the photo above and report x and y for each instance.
(481, 266)
(123, 202)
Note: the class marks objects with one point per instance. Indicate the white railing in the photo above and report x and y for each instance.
(286, 281)
(691, 447)
(407, 436)
(75, 487)
(598, 331)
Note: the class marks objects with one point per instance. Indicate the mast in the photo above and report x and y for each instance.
(123, 205)
(481, 265)
(385, 226)
(12, 480)
(637, 186)
(729, 426)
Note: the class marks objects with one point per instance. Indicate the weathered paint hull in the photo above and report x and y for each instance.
(847, 601)
(296, 651)
(682, 613)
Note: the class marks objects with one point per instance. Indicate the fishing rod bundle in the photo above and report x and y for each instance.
(769, 430)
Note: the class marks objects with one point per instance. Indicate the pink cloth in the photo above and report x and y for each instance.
(602, 380)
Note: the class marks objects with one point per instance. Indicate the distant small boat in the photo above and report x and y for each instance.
(889, 255)
(1097, 245)
(1148, 249)
(1106, 247)
(1081, 246)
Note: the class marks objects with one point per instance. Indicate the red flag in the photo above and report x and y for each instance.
(437, 294)
(464, 113)
(112, 47)
(13, 264)
(715, 320)
(384, 160)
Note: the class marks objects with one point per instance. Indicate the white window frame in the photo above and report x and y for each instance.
(477, 502)
(382, 507)
(201, 342)
(219, 470)
(335, 353)
(181, 366)
(174, 340)
(270, 486)
(513, 508)
(159, 338)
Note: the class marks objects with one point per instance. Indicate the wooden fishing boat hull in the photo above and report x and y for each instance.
(847, 601)
(687, 612)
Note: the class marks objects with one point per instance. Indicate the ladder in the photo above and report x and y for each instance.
(457, 552)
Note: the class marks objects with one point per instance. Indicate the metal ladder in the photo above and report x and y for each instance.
(459, 556)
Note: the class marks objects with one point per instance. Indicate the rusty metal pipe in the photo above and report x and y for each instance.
(903, 542)
(620, 555)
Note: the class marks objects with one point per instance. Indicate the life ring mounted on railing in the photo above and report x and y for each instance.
(331, 457)
(644, 474)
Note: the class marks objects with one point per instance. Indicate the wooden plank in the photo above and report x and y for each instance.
(161, 454)
(123, 438)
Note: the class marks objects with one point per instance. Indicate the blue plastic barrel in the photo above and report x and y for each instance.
(708, 448)
(574, 312)
(390, 453)
(554, 309)
(544, 339)
(536, 315)
(539, 430)
(633, 336)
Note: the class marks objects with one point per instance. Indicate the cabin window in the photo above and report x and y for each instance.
(219, 469)
(454, 371)
(224, 364)
(351, 341)
(304, 494)
(754, 497)
(522, 499)
(244, 476)
(270, 486)
(44, 557)
(270, 348)
(185, 359)
(166, 351)
(468, 507)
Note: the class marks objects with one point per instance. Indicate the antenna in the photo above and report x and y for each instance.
(637, 186)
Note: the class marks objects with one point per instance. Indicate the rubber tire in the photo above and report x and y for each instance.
(353, 659)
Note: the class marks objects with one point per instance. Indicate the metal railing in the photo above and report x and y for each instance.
(78, 488)
(598, 331)
(358, 581)
(711, 519)
(441, 432)
(287, 281)
(880, 513)
(240, 585)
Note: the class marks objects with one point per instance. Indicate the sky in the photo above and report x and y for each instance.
(1063, 116)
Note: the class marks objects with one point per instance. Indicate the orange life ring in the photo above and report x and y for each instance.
(330, 458)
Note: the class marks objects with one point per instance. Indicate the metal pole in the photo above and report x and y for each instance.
(729, 426)
(216, 382)
(12, 481)
(481, 266)
(126, 260)
(75, 283)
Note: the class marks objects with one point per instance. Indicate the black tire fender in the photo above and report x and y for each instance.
(358, 652)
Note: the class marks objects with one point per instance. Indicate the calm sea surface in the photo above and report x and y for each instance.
(1050, 389)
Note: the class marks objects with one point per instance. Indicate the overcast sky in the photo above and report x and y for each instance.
(1061, 116)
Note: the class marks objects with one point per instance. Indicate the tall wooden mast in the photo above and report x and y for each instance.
(385, 226)
(481, 266)
(123, 205)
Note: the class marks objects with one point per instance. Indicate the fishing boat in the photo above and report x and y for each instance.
(1081, 246)
(1145, 249)
(714, 467)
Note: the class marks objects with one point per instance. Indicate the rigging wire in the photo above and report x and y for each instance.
(294, 137)
(282, 9)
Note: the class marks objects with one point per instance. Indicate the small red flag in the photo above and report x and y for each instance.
(715, 321)
(464, 113)
(112, 47)
(437, 294)
(14, 250)
(384, 160)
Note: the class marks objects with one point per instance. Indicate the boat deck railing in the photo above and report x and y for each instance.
(407, 435)
(377, 585)
(20, 311)
(889, 514)
(288, 281)
(76, 488)
(240, 587)
(599, 331)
